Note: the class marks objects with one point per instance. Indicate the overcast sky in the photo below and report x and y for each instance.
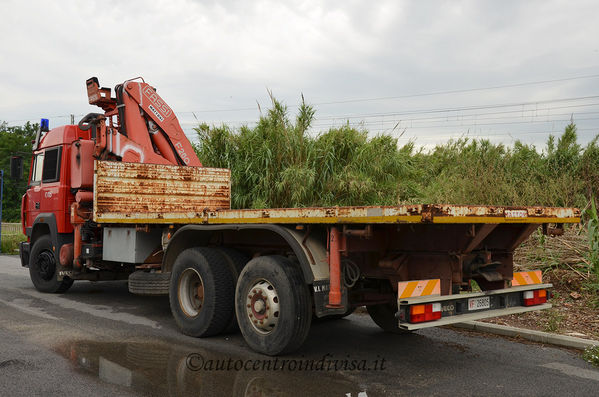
(371, 58)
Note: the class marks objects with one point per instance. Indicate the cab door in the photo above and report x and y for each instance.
(43, 195)
(34, 193)
(50, 195)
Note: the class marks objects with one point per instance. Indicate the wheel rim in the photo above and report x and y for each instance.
(46, 265)
(262, 306)
(191, 292)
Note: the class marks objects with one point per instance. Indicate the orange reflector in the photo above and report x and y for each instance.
(417, 309)
(422, 313)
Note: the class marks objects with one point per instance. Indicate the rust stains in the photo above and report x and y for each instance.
(152, 191)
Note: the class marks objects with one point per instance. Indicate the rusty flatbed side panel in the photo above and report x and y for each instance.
(131, 192)
(400, 214)
(501, 214)
(355, 215)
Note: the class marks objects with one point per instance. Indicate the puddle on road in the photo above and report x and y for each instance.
(157, 369)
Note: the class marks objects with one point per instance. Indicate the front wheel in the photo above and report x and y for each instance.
(273, 305)
(43, 268)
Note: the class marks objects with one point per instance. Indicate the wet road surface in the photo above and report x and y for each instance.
(97, 339)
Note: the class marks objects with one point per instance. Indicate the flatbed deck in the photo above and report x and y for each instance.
(156, 194)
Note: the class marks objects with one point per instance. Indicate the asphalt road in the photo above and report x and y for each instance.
(97, 339)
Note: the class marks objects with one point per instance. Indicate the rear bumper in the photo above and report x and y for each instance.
(455, 307)
(24, 249)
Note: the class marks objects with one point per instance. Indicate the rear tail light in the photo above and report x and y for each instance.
(422, 313)
(535, 297)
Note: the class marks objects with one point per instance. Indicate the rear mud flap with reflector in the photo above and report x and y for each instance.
(527, 278)
(408, 289)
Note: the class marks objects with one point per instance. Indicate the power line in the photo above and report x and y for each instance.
(523, 113)
(406, 123)
(481, 107)
(473, 135)
(471, 124)
(459, 91)
(522, 84)
(368, 115)
(441, 110)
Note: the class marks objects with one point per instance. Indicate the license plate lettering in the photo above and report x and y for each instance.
(479, 303)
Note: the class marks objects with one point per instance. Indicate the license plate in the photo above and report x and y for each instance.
(479, 303)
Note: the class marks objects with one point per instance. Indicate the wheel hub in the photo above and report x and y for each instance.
(262, 306)
(46, 265)
(191, 292)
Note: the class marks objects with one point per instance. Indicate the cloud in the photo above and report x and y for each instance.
(205, 55)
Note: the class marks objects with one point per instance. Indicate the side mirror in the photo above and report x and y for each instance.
(16, 167)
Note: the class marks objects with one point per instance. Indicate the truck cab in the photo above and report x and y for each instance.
(45, 206)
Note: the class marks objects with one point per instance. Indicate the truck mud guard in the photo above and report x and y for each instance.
(180, 241)
(47, 219)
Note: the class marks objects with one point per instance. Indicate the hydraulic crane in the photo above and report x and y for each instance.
(137, 126)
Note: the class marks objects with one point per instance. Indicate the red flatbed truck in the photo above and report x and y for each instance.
(122, 195)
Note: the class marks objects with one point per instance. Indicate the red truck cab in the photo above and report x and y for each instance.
(45, 205)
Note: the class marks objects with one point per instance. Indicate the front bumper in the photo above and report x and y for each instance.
(24, 249)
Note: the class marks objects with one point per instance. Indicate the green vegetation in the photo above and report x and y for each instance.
(591, 355)
(554, 320)
(278, 163)
(592, 262)
(14, 141)
(10, 243)
(593, 237)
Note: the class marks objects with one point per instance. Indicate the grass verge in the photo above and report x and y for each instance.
(10, 243)
(591, 355)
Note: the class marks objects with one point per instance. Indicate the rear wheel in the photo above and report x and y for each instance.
(273, 305)
(236, 261)
(201, 292)
(384, 316)
(43, 268)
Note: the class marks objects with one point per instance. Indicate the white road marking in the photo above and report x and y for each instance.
(24, 305)
(94, 310)
(571, 370)
(14, 268)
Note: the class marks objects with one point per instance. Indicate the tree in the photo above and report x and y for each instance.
(15, 141)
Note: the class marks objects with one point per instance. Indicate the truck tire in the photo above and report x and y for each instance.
(201, 292)
(273, 305)
(43, 268)
(236, 261)
(384, 316)
(149, 283)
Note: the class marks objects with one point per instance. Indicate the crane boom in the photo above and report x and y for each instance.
(141, 127)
